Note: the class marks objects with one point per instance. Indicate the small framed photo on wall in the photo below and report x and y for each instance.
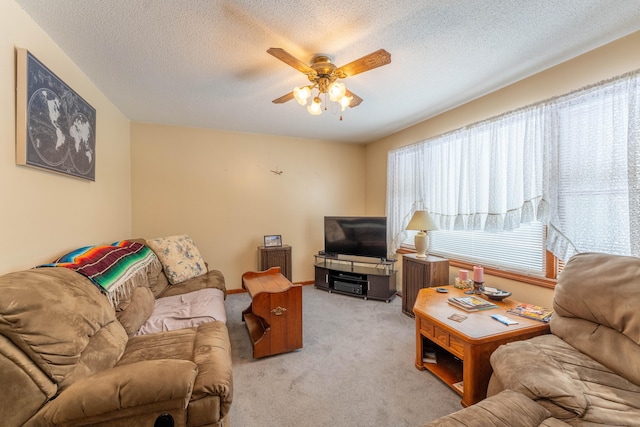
(272, 241)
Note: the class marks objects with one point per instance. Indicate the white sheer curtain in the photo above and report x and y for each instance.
(593, 171)
(405, 191)
(487, 176)
(572, 162)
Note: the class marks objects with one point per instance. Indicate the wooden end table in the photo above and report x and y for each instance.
(274, 318)
(463, 348)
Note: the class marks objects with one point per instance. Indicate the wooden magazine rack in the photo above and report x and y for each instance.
(274, 318)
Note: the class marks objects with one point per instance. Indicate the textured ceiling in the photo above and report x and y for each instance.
(202, 63)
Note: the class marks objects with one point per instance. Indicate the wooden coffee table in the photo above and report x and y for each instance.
(463, 348)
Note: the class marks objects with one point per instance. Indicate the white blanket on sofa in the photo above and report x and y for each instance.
(185, 311)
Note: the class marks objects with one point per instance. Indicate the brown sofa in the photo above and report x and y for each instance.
(69, 358)
(587, 371)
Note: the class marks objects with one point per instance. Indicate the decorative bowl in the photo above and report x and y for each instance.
(496, 294)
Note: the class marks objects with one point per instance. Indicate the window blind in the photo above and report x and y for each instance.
(520, 250)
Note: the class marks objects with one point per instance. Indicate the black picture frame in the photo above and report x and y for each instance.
(55, 127)
(272, 241)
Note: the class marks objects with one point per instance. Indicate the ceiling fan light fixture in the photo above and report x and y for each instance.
(345, 101)
(323, 75)
(336, 91)
(316, 107)
(301, 94)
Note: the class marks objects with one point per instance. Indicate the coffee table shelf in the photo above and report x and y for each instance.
(448, 367)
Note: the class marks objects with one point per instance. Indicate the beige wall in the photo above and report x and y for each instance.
(42, 214)
(224, 178)
(608, 61)
(218, 187)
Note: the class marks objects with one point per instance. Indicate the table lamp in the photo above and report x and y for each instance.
(423, 222)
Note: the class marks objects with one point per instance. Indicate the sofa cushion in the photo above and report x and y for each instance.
(158, 281)
(602, 289)
(213, 279)
(22, 381)
(208, 346)
(595, 303)
(525, 366)
(61, 321)
(185, 311)
(531, 367)
(103, 396)
(179, 256)
(553, 422)
(137, 310)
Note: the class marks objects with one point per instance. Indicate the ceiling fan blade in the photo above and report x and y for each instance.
(368, 62)
(290, 60)
(283, 98)
(356, 99)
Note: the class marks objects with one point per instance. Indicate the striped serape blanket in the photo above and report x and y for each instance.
(110, 268)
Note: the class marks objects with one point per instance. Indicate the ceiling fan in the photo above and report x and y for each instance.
(323, 75)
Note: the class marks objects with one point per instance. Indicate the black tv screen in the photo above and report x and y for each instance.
(361, 236)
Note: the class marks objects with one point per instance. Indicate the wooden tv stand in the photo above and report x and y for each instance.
(362, 277)
(274, 318)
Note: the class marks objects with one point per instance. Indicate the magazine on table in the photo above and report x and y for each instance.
(531, 311)
(429, 355)
(471, 303)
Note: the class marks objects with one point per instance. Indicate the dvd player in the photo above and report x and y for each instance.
(352, 288)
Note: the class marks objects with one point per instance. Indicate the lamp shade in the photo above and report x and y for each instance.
(422, 221)
(316, 107)
(345, 101)
(336, 91)
(301, 94)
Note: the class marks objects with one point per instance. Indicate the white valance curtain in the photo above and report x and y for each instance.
(571, 162)
(483, 177)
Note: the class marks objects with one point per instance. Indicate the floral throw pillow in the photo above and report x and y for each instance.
(179, 256)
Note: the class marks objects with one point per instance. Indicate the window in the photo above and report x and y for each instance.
(567, 168)
(482, 185)
(596, 191)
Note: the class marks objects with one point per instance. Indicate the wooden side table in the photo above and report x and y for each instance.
(463, 348)
(274, 318)
(275, 256)
(418, 273)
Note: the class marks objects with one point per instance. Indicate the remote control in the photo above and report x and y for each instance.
(442, 290)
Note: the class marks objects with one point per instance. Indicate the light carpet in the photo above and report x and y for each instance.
(356, 368)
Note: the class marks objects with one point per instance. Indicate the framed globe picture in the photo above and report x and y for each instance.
(55, 127)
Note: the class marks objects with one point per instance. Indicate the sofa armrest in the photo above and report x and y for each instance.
(127, 386)
(529, 368)
(505, 409)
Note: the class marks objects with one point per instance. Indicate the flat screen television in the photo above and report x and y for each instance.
(361, 236)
